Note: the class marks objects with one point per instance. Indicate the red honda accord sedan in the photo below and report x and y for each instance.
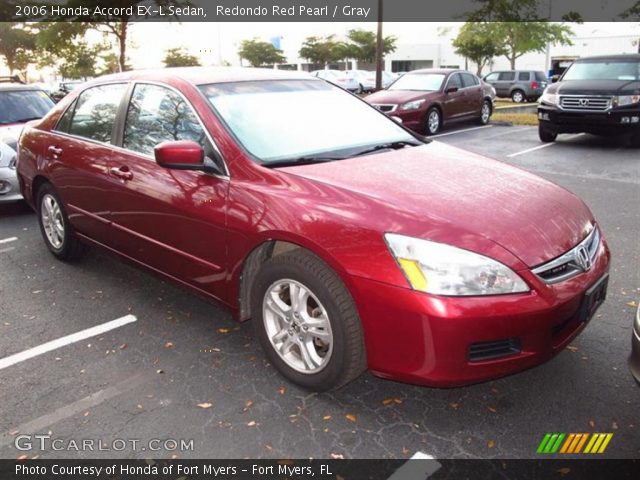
(348, 240)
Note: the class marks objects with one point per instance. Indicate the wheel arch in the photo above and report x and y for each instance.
(248, 268)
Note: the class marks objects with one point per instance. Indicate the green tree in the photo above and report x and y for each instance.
(477, 42)
(323, 50)
(259, 53)
(17, 44)
(519, 38)
(118, 28)
(362, 45)
(179, 57)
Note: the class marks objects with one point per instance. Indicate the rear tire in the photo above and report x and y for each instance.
(55, 227)
(517, 96)
(307, 322)
(545, 135)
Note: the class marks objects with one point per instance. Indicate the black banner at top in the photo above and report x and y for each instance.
(319, 10)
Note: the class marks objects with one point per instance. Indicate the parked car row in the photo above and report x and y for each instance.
(356, 81)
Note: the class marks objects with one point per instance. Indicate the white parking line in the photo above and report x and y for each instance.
(63, 341)
(417, 470)
(10, 239)
(533, 149)
(460, 131)
(8, 249)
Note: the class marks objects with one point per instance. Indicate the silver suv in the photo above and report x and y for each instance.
(520, 85)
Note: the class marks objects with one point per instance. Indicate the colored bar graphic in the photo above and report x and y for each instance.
(572, 443)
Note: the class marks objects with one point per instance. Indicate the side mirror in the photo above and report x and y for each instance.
(451, 90)
(180, 155)
(555, 78)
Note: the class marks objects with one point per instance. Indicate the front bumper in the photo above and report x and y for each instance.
(9, 187)
(430, 340)
(610, 122)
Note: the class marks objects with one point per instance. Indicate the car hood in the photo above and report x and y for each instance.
(11, 131)
(595, 87)
(435, 189)
(394, 97)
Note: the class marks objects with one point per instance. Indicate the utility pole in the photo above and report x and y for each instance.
(379, 48)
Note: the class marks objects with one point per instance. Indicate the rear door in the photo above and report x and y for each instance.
(473, 93)
(79, 153)
(170, 220)
(504, 82)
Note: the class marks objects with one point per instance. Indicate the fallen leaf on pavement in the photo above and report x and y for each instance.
(337, 456)
(327, 417)
(252, 423)
(282, 390)
(572, 348)
(205, 405)
(491, 444)
(563, 471)
(351, 417)
(223, 330)
(492, 409)
(168, 345)
(454, 405)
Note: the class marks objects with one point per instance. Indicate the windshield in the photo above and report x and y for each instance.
(290, 119)
(23, 105)
(619, 69)
(427, 82)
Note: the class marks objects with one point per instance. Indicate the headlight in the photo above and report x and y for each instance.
(623, 100)
(445, 270)
(412, 105)
(551, 98)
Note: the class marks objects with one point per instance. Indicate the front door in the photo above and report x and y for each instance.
(172, 221)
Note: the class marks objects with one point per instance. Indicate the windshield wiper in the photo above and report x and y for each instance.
(28, 119)
(387, 146)
(304, 160)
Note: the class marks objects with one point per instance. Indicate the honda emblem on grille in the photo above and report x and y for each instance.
(582, 258)
(584, 102)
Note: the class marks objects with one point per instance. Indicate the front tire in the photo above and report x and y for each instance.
(485, 113)
(545, 135)
(56, 229)
(434, 121)
(307, 322)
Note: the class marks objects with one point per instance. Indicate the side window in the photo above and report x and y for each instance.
(523, 76)
(157, 114)
(454, 81)
(95, 112)
(507, 76)
(492, 77)
(469, 80)
(64, 122)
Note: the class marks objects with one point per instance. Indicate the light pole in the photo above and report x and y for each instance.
(379, 48)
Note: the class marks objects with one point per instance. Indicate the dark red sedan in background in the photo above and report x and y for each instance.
(427, 99)
(347, 240)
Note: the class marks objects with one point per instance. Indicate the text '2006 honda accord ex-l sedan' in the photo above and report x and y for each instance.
(350, 242)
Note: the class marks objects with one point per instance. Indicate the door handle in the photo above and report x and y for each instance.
(54, 150)
(122, 172)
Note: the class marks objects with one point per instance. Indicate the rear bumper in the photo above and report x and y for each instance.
(431, 340)
(600, 123)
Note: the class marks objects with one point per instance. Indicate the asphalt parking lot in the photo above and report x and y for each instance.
(180, 369)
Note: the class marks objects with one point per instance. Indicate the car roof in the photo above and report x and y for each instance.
(627, 56)
(17, 87)
(444, 71)
(206, 75)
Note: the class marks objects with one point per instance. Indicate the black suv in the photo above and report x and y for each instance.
(598, 95)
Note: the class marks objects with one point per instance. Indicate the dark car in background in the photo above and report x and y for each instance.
(64, 89)
(519, 85)
(19, 103)
(597, 95)
(427, 99)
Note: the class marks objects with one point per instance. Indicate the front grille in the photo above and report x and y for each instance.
(385, 108)
(577, 260)
(586, 103)
(481, 351)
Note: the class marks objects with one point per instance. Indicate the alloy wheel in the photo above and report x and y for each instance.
(52, 221)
